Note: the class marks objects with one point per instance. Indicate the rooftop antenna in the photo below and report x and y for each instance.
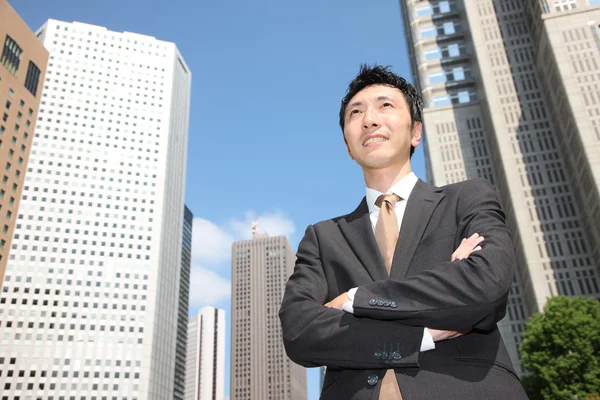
(255, 226)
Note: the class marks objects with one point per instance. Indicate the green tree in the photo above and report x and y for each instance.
(561, 347)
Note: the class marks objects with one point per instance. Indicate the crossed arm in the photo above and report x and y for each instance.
(456, 296)
(315, 335)
(465, 249)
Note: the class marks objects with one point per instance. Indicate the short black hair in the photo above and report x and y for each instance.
(380, 75)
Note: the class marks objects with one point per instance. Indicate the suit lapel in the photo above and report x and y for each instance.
(422, 202)
(358, 231)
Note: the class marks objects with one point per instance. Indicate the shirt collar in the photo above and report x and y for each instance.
(402, 188)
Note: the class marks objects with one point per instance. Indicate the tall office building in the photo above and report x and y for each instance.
(511, 94)
(260, 369)
(90, 298)
(184, 301)
(567, 34)
(22, 68)
(205, 367)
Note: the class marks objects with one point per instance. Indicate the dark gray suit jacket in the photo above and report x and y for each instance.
(425, 289)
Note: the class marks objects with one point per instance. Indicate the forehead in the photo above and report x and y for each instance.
(374, 91)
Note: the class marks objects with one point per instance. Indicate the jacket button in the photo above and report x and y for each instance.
(380, 302)
(387, 303)
(372, 302)
(378, 355)
(397, 356)
(393, 304)
(372, 380)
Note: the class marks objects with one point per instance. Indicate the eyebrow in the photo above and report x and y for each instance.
(379, 98)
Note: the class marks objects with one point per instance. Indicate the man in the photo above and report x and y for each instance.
(378, 296)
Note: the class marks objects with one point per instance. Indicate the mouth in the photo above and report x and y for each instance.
(375, 140)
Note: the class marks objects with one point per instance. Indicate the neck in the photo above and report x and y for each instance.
(383, 179)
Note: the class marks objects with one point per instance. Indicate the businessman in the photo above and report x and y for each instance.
(400, 299)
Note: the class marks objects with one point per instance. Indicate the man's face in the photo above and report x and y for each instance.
(377, 128)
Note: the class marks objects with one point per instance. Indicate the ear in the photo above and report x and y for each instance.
(348, 148)
(416, 134)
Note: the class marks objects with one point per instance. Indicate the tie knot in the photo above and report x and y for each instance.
(390, 198)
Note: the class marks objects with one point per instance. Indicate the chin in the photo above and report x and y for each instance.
(378, 164)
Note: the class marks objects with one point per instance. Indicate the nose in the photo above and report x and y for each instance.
(370, 119)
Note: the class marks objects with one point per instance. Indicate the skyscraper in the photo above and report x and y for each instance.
(509, 89)
(260, 369)
(90, 299)
(184, 297)
(205, 367)
(22, 68)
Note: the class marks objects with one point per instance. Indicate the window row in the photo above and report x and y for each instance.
(461, 97)
(434, 9)
(446, 28)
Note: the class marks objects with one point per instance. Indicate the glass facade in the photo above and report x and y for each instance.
(11, 55)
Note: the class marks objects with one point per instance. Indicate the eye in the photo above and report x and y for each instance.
(355, 111)
(387, 104)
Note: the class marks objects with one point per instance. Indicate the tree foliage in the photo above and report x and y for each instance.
(561, 347)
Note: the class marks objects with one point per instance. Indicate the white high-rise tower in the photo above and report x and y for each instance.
(205, 361)
(89, 304)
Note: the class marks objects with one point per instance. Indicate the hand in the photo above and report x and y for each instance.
(339, 301)
(467, 246)
(438, 335)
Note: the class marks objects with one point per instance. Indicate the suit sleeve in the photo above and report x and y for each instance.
(467, 293)
(315, 335)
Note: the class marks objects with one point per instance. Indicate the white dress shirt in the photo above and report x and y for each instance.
(402, 188)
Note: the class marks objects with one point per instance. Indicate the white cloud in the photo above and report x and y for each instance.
(210, 243)
(274, 223)
(207, 287)
(211, 252)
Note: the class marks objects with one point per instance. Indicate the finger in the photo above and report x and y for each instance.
(477, 248)
(472, 239)
(474, 236)
(472, 243)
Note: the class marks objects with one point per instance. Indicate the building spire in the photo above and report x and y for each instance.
(255, 226)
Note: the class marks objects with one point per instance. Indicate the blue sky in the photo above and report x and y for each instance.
(264, 140)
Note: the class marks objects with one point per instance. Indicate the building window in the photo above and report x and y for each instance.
(442, 7)
(437, 77)
(424, 11)
(453, 50)
(445, 52)
(33, 78)
(450, 75)
(462, 97)
(459, 74)
(564, 5)
(447, 28)
(433, 54)
(11, 55)
(428, 31)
